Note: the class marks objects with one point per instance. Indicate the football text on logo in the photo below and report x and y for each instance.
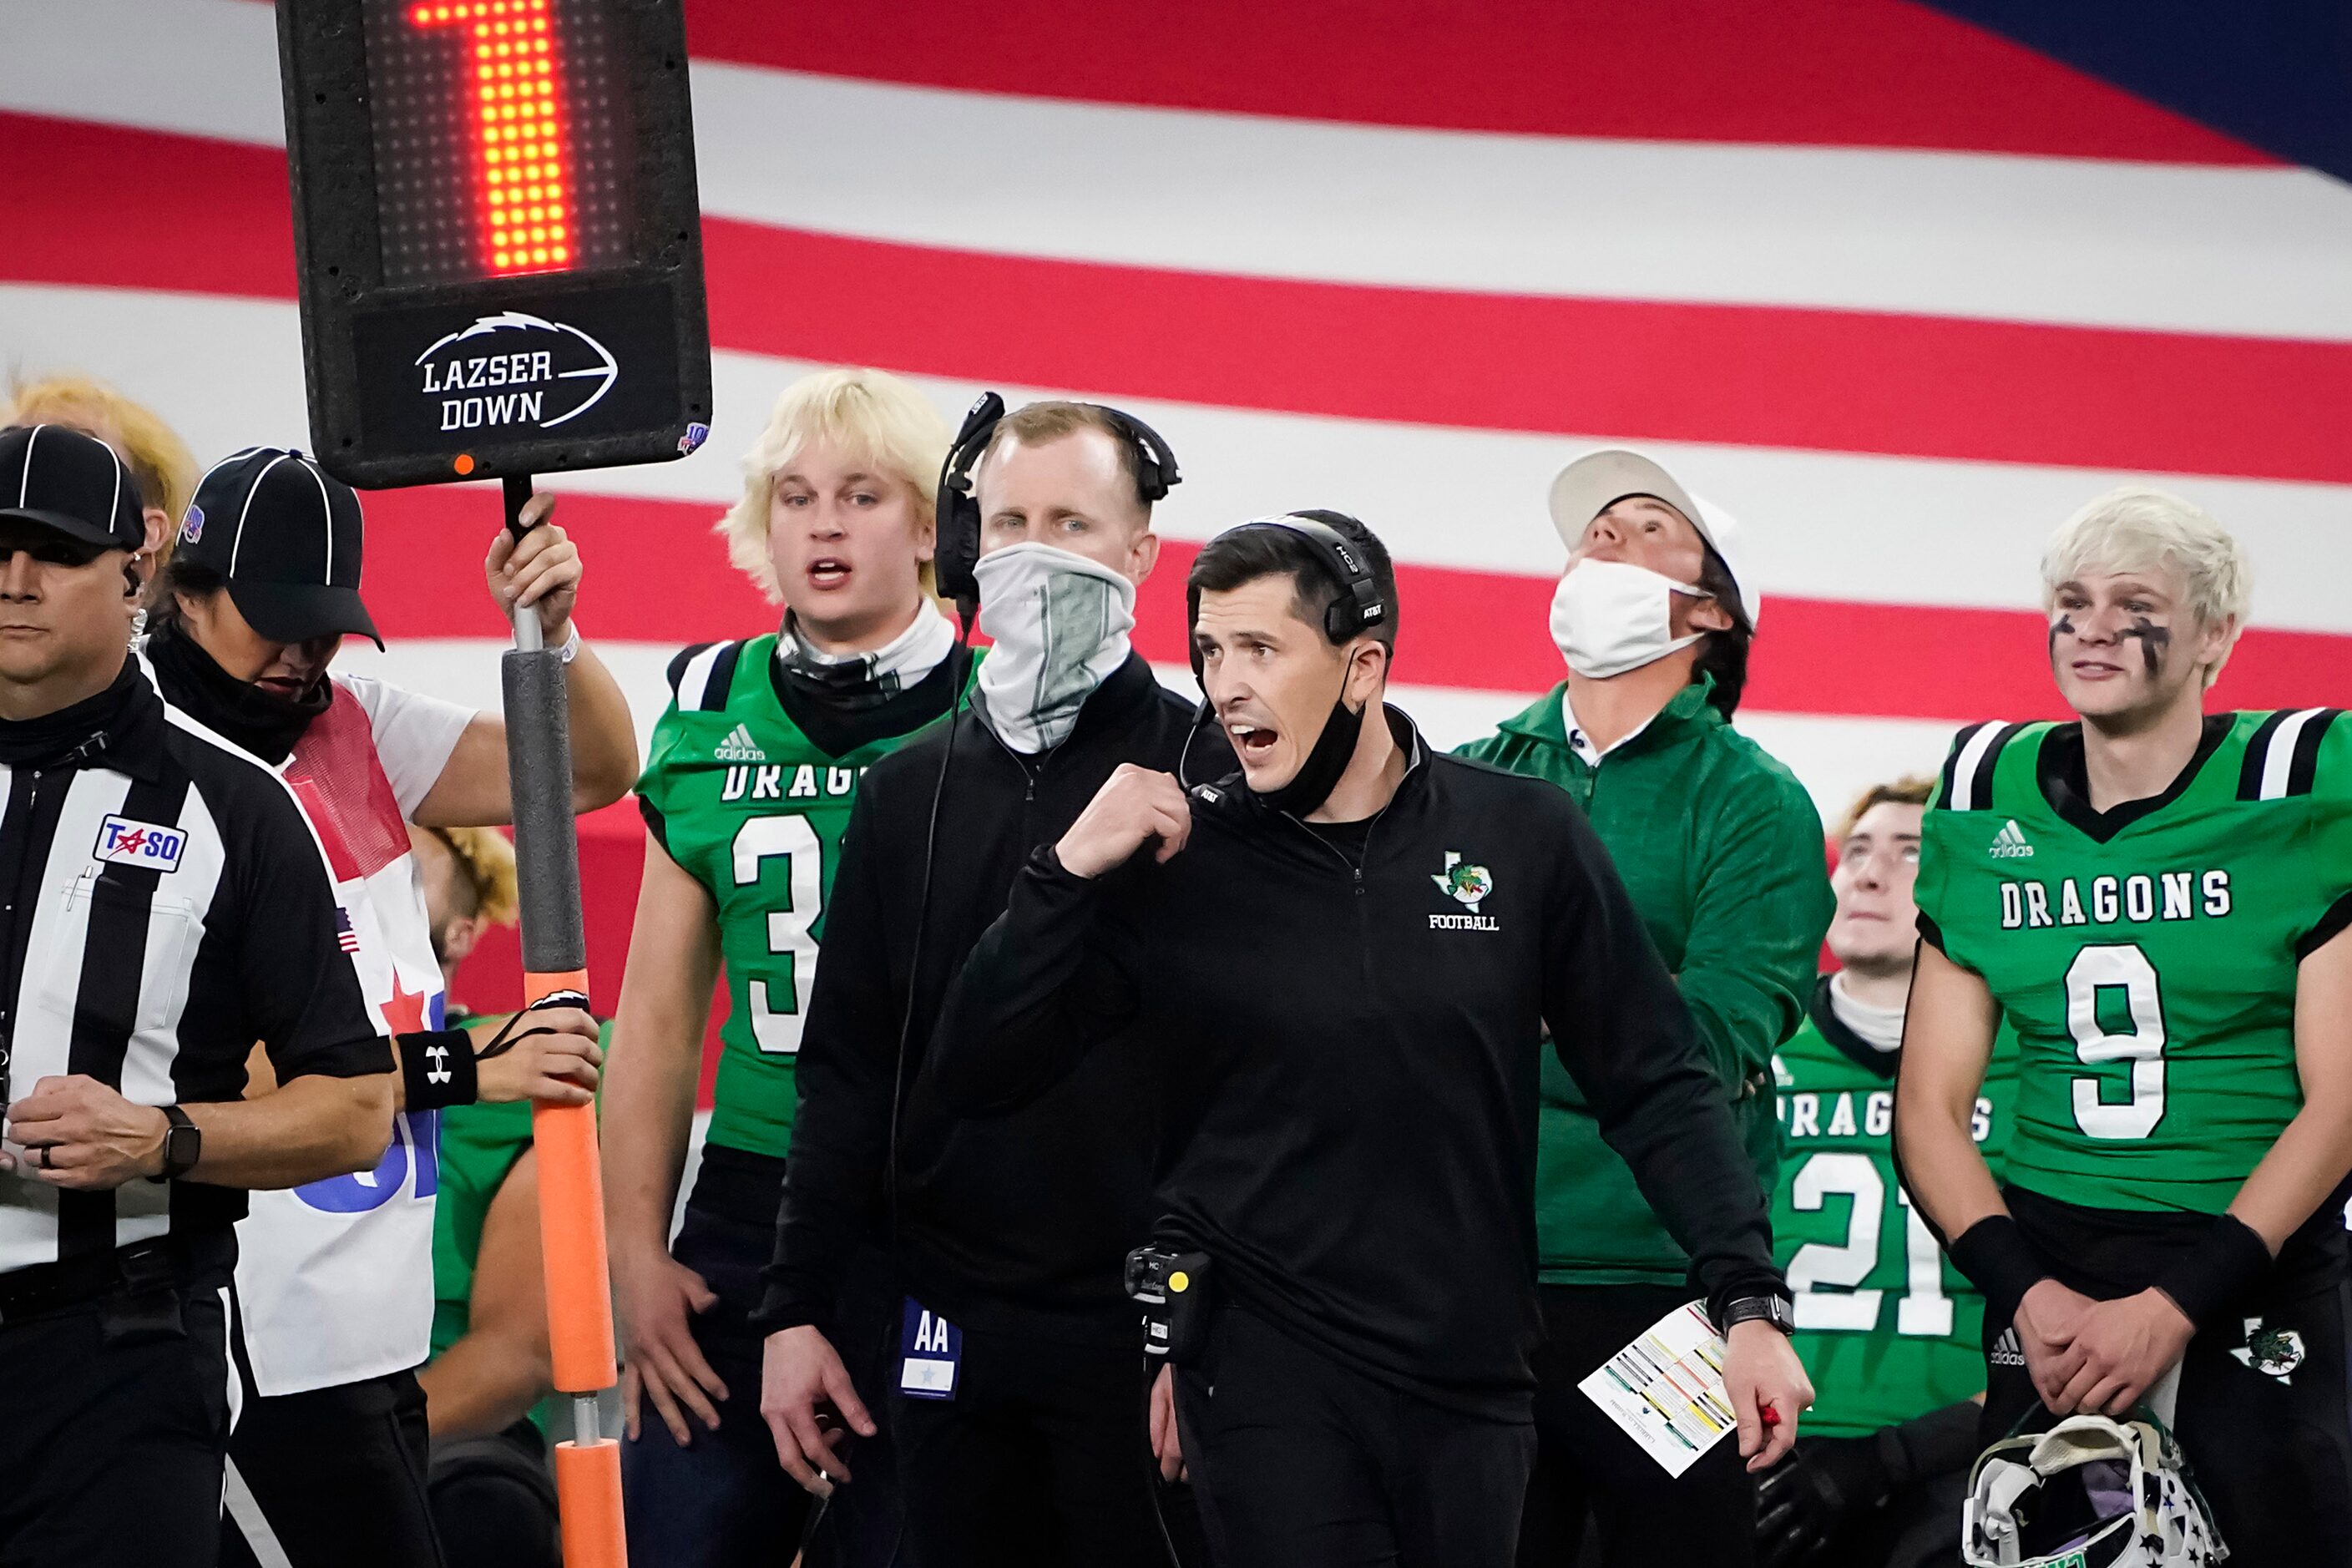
(122, 842)
(516, 369)
(1468, 886)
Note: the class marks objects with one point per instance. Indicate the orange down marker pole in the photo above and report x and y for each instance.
(571, 1180)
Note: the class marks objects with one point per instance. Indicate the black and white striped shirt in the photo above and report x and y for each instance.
(162, 906)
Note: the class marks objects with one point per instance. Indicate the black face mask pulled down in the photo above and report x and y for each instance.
(262, 723)
(1318, 775)
(845, 686)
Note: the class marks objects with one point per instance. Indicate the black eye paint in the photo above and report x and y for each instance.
(2062, 624)
(2153, 640)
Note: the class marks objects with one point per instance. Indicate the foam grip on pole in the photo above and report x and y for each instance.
(588, 1494)
(572, 1230)
(547, 853)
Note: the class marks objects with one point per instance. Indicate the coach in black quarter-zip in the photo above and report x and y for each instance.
(1346, 956)
(1013, 1361)
(162, 907)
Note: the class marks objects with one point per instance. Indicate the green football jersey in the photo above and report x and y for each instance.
(2147, 955)
(753, 809)
(1888, 1328)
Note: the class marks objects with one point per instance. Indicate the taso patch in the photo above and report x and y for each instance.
(122, 842)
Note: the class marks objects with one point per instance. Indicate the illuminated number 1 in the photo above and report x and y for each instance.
(511, 88)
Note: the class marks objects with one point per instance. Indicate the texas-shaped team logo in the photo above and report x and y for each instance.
(1467, 884)
(122, 842)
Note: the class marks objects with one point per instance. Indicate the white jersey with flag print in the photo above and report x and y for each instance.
(335, 1278)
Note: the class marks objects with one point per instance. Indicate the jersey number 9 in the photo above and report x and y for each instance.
(2112, 968)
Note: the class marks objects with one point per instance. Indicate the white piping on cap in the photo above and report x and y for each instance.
(326, 501)
(237, 542)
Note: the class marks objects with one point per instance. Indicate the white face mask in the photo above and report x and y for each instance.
(1608, 617)
(1059, 624)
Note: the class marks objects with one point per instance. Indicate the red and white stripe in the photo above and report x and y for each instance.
(1900, 293)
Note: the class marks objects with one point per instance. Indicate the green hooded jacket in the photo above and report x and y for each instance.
(1724, 855)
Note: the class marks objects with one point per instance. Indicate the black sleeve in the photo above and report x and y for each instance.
(300, 989)
(1623, 1033)
(834, 1174)
(1045, 982)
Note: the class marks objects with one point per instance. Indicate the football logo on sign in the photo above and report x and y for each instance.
(122, 842)
(513, 370)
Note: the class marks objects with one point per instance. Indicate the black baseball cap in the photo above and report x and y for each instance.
(284, 534)
(57, 477)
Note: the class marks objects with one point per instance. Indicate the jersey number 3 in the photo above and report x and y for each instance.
(2133, 1033)
(776, 1013)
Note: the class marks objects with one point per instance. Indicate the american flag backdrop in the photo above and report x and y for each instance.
(1898, 290)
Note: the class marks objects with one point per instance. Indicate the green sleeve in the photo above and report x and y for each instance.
(664, 737)
(1763, 905)
(1931, 888)
(2330, 857)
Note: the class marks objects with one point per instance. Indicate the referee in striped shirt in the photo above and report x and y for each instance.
(162, 906)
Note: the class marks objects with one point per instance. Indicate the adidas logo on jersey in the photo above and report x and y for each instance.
(739, 747)
(2010, 843)
(2006, 1351)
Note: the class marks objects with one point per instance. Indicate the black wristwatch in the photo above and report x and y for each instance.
(1776, 1310)
(184, 1144)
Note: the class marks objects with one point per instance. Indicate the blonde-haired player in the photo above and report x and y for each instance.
(2154, 899)
(160, 464)
(745, 795)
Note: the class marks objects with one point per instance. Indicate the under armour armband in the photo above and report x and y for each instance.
(1998, 1259)
(436, 1069)
(2211, 1277)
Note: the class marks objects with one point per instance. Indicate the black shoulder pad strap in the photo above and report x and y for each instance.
(1968, 772)
(700, 676)
(2282, 754)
